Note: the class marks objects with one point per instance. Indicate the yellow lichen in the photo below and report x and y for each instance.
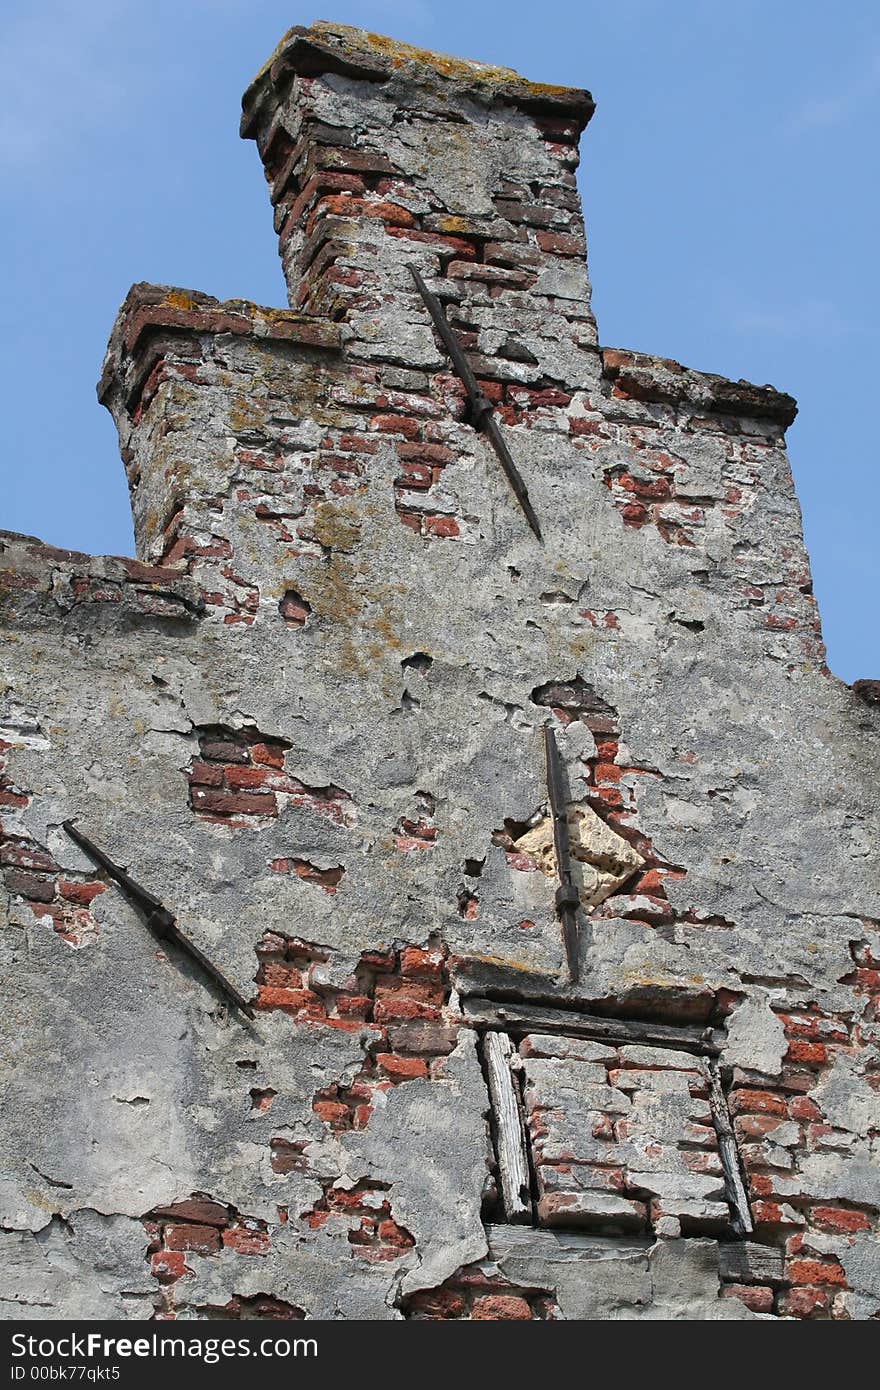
(354, 41)
(351, 42)
(179, 299)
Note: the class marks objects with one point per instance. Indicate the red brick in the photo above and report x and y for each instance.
(379, 960)
(437, 454)
(79, 893)
(322, 185)
(328, 879)
(441, 526)
(401, 1068)
(560, 243)
(293, 1001)
(246, 1242)
(220, 803)
(392, 213)
(392, 1234)
(293, 612)
(437, 1303)
(865, 979)
(223, 751)
(245, 778)
(396, 424)
(803, 1303)
(813, 1026)
(194, 1211)
(286, 1156)
(27, 856)
(354, 1005)
(750, 1127)
(421, 963)
(415, 475)
(424, 991)
(811, 1054)
(758, 1297)
(815, 1272)
(454, 246)
(800, 1108)
(268, 755)
(31, 886)
(768, 1213)
(395, 1008)
(501, 1306)
(281, 975)
(406, 843)
(206, 774)
(205, 1240)
(330, 1111)
(168, 1265)
(757, 1103)
(837, 1219)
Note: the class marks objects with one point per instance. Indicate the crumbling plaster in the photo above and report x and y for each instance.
(750, 769)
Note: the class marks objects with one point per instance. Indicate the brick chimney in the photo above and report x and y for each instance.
(379, 155)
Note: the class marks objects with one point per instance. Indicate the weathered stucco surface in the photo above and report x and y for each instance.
(308, 719)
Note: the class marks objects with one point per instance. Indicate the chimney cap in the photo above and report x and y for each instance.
(351, 52)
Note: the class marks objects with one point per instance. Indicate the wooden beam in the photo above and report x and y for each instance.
(745, 1262)
(729, 1154)
(513, 1163)
(530, 1018)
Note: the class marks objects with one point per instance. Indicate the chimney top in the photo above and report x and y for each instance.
(351, 52)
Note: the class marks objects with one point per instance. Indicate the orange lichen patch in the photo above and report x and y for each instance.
(179, 299)
(358, 40)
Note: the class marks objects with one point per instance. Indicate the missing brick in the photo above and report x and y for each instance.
(420, 662)
(328, 879)
(294, 609)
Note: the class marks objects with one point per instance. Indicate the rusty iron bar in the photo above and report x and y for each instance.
(158, 918)
(567, 898)
(480, 411)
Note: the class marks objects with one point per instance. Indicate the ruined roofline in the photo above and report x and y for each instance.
(641, 376)
(152, 309)
(352, 52)
(39, 581)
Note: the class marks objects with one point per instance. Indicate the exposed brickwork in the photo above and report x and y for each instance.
(373, 1234)
(199, 1225)
(240, 773)
(611, 788)
(621, 1138)
(337, 606)
(60, 899)
(401, 995)
(780, 1125)
(479, 1293)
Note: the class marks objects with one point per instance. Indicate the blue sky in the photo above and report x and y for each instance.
(729, 178)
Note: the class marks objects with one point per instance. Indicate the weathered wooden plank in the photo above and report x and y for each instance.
(745, 1262)
(513, 1163)
(526, 1018)
(729, 1154)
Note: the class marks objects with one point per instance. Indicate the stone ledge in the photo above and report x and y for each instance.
(351, 52)
(558, 1247)
(149, 309)
(30, 569)
(645, 378)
